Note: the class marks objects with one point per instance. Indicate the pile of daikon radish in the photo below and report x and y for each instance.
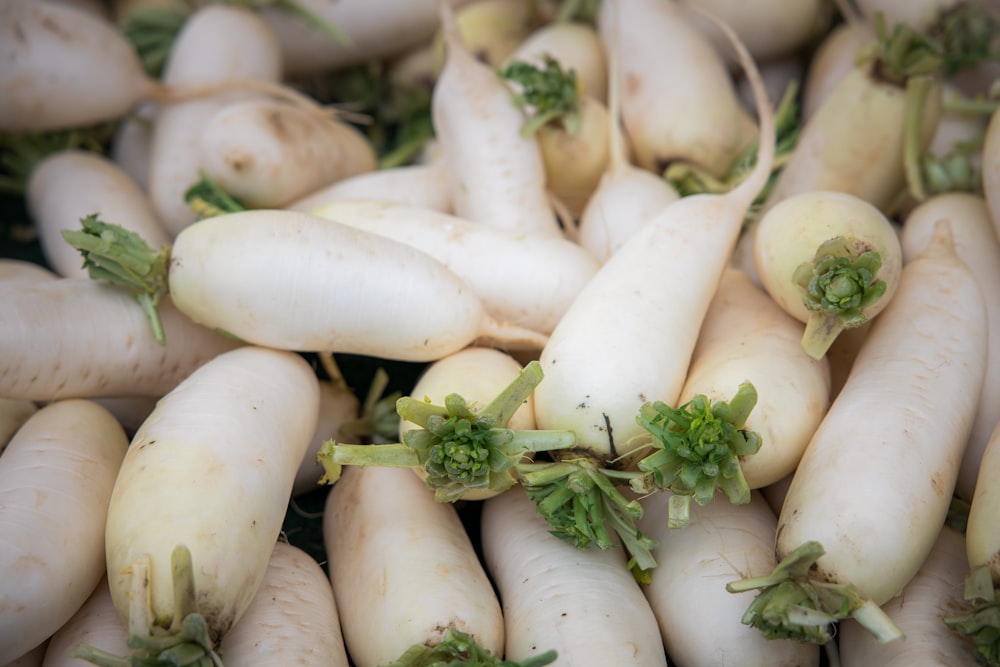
(707, 295)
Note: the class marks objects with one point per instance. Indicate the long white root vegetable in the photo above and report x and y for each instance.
(95, 624)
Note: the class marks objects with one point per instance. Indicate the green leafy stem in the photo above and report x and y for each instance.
(698, 450)
(837, 285)
(548, 93)
(791, 606)
(460, 648)
(982, 622)
(458, 447)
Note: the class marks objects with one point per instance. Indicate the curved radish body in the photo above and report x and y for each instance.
(699, 620)
(875, 482)
(292, 619)
(576, 46)
(689, 112)
(403, 568)
(218, 43)
(211, 469)
(608, 356)
(747, 337)
(95, 624)
(422, 185)
(982, 539)
(56, 479)
(991, 169)
(526, 281)
(584, 604)
(76, 337)
(63, 67)
(496, 175)
(70, 185)
(977, 245)
(835, 56)
(934, 593)
(421, 312)
(21, 270)
(267, 153)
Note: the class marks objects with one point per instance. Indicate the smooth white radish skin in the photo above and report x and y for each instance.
(77, 337)
(402, 567)
(21, 270)
(338, 406)
(628, 336)
(496, 175)
(377, 29)
(211, 469)
(746, 337)
(477, 374)
(132, 145)
(934, 593)
(69, 185)
(267, 153)
(423, 185)
(688, 112)
(218, 43)
(699, 620)
(56, 479)
(64, 67)
(523, 280)
(835, 56)
(315, 289)
(576, 46)
(95, 624)
(991, 169)
(292, 620)
(982, 539)
(977, 245)
(793, 234)
(584, 604)
(490, 29)
(874, 484)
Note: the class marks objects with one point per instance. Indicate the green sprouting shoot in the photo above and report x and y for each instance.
(902, 52)
(792, 606)
(966, 34)
(458, 447)
(580, 501)
(459, 648)
(122, 258)
(187, 640)
(698, 449)
(21, 152)
(982, 622)
(207, 199)
(548, 93)
(837, 285)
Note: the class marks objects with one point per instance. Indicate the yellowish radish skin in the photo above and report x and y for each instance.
(875, 482)
(477, 374)
(267, 153)
(233, 434)
(982, 539)
(403, 567)
(687, 112)
(576, 46)
(934, 593)
(584, 604)
(292, 620)
(524, 280)
(835, 56)
(50, 323)
(70, 185)
(218, 43)
(603, 360)
(56, 479)
(423, 185)
(746, 337)
(699, 620)
(418, 310)
(491, 30)
(95, 624)
(977, 245)
(496, 175)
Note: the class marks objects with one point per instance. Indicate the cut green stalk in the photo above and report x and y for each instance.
(208, 200)
(548, 94)
(982, 622)
(698, 449)
(459, 448)
(918, 89)
(791, 606)
(579, 500)
(121, 257)
(459, 648)
(837, 286)
(186, 641)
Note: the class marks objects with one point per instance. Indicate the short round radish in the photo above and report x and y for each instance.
(211, 469)
(56, 479)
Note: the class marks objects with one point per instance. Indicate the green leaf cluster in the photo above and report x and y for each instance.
(840, 283)
(548, 92)
(459, 649)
